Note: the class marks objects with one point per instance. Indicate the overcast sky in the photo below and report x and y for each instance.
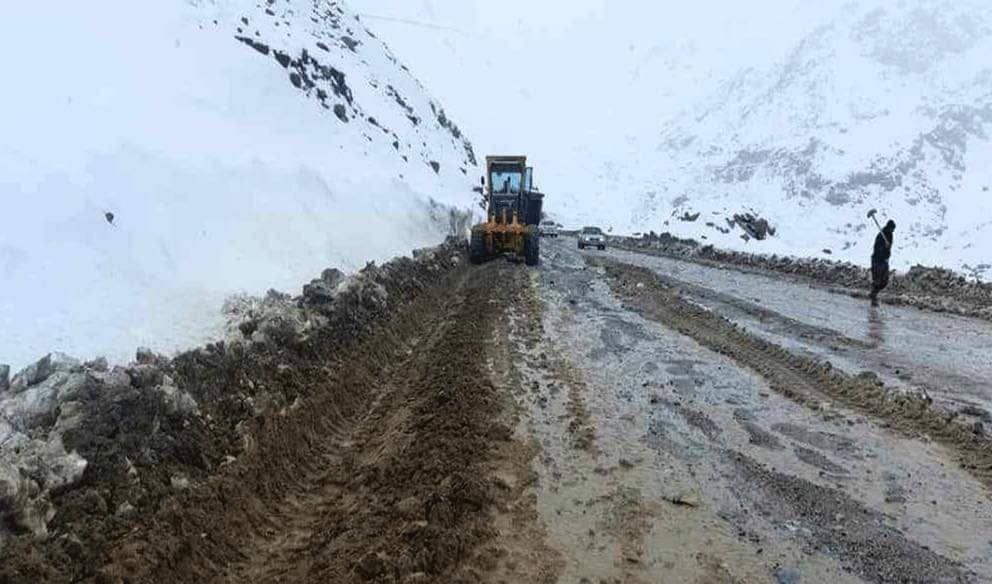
(525, 75)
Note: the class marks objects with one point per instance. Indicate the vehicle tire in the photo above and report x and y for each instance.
(532, 250)
(602, 247)
(477, 247)
(581, 246)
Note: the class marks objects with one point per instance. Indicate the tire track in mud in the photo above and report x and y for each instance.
(384, 473)
(558, 369)
(829, 520)
(595, 520)
(870, 548)
(779, 322)
(524, 554)
(799, 378)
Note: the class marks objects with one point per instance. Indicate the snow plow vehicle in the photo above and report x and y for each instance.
(513, 212)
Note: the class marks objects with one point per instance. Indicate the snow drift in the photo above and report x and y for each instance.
(161, 156)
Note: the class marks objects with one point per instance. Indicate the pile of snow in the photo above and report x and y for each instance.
(160, 156)
(33, 460)
(802, 113)
(57, 413)
(49, 403)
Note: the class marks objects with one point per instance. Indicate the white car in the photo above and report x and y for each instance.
(592, 237)
(548, 229)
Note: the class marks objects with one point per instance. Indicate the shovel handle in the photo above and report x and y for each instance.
(885, 237)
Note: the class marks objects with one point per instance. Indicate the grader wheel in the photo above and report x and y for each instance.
(532, 249)
(477, 252)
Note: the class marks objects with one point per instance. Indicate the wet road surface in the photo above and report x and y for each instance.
(950, 357)
(595, 420)
(659, 460)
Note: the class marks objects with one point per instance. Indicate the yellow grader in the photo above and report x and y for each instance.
(513, 209)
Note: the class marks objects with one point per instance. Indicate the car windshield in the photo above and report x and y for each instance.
(591, 231)
(548, 223)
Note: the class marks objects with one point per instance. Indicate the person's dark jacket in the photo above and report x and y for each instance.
(883, 251)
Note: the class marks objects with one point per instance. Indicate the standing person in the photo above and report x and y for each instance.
(880, 261)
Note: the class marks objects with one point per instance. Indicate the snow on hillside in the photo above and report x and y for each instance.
(239, 146)
(804, 112)
(574, 85)
(886, 107)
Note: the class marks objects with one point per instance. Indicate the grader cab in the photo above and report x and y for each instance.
(513, 210)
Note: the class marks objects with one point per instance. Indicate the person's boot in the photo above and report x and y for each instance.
(874, 301)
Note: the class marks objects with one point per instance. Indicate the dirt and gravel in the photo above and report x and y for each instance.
(925, 287)
(734, 480)
(801, 378)
(356, 452)
(607, 417)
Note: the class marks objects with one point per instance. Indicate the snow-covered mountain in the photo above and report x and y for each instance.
(886, 106)
(804, 112)
(159, 156)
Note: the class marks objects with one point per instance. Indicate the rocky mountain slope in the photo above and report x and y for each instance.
(200, 149)
(884, 106)
(804, 113)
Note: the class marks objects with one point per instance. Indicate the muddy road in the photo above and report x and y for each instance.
(947, 356)
(609, 417)
(709, 459)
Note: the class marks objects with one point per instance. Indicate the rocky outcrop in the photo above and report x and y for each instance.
(754, 226)
(323, 289)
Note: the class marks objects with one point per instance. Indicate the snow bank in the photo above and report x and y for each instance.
(226, 168)
(126, 431)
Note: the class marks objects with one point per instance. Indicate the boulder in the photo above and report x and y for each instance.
(99, 364)
(145, 356)
(71, 416)
(114, 380)
(29, 470)
(177, 401)
(38, 404)
(145, 375)
(323, 289)
(274, 317)
(756, 227)
(425, 254)
(48, 463)
(4, 377)
(42, 369)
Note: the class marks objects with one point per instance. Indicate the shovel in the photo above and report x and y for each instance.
(872, 214)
